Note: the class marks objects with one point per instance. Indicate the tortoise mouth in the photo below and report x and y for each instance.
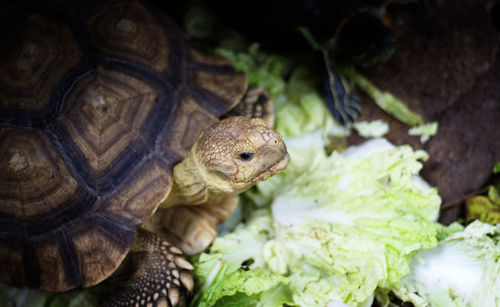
(280, 159)
(273, 170)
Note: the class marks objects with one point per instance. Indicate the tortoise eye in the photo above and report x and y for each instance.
(245, 155)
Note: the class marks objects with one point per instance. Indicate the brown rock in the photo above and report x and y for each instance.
(447, 68)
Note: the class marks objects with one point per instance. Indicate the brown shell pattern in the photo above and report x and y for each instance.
(97, 104)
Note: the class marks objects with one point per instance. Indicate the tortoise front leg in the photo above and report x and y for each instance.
(192, 228)
(159, 275)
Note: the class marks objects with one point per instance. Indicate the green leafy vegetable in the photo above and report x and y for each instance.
(425, 131)
(496, 169)
(232, 273)
(484, 208)
(305, 110)
(463, 270)
(373, 129)
(337, 230)
(263, 70)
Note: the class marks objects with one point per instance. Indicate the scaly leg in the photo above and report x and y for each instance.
(159, 275)
(192, 228)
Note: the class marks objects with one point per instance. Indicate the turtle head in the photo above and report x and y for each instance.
(238, 152)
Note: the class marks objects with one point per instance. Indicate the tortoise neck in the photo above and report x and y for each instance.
(193, 185)
(188, 186)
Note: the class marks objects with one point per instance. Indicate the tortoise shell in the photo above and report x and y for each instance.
(97, 104)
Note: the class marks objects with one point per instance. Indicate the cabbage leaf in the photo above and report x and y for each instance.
(463, 270)
(338, 229)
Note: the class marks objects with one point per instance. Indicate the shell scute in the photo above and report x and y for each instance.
(34, 179)
(35, 62)
(104, 115)
(126, 29)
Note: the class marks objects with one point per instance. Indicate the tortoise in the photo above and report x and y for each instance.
(111, 142)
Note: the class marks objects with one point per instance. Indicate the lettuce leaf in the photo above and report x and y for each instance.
(263, 70)
(463, 270)
(496, 168)
(233, 271)
(338, 229)
(373, 129)
(330, 229)
(425, 131)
